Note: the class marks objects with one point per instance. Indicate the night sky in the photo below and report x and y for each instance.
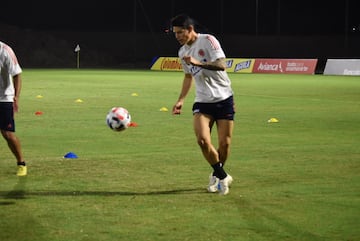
(222, 16)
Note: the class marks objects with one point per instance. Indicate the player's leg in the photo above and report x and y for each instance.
(225, 130)
(225, 125)
(14, 144)
(202, 128)
(15, 147)
(7, 126)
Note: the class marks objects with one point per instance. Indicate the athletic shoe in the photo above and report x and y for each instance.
(225, 184)
(22, 171)
(213, 183)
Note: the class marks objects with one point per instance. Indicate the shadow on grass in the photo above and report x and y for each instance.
(18, 191)
(21, 194)
(4, 203)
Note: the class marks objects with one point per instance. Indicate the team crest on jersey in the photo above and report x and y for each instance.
(201, 53)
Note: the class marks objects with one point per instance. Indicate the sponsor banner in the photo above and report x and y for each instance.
(167, 64)
(342, 67)
(285, 66)
(233, 65)
(240, 65)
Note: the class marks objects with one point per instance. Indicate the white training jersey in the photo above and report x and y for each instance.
(9, 67)
(211, 86)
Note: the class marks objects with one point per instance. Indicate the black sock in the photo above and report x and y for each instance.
(219, 171)
(221, 165)
(21, 164)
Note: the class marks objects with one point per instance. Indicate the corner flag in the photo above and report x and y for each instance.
(77, 50)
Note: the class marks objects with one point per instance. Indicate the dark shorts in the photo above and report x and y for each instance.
(7, 122)
(222, 110)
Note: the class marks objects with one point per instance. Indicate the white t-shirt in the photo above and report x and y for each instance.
(211, 86)
(9, 67)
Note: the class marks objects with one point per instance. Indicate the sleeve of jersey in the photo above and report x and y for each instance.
(12, 62)
(214, 48)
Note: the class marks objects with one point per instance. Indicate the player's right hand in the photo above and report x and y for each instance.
(177, 109)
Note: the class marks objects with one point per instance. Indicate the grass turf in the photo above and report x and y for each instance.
(294, 180)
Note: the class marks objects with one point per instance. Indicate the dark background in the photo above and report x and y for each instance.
(117, 34)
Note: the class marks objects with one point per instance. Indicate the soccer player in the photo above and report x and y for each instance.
(10, 87)
(203, 59)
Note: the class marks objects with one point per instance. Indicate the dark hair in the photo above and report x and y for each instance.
(182, 20)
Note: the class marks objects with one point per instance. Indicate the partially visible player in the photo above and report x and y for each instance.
(203, 59)
(10, 87)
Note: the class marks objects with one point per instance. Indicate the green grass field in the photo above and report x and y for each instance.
(298, 179)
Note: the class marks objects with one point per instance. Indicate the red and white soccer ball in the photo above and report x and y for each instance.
(118, 119)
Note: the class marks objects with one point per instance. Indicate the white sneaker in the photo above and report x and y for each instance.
(225, 184)
(213, 183)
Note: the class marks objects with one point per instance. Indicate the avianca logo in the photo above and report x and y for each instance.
(270, 67)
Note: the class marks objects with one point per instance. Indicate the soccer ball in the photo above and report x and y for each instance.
(118, 119)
